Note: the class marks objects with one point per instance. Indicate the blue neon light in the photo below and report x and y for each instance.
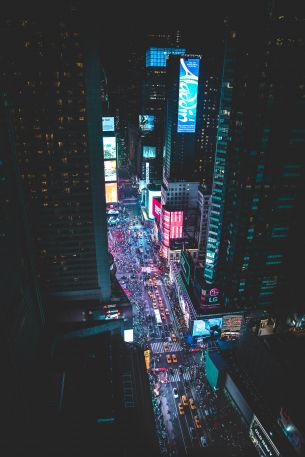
(188, 89)
(156, 57)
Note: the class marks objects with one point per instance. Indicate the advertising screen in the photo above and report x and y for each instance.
(128, 335)
(207, 327)
(261, 439)
(176, 224)
(108, 124)
(111, 191)
(210, 299)
(185, 267)
(109, 146)
(147, 122)
(188, 89)
(149, 152)
(156, 208)
(110, 170)
(294, 436)
(231, 323)
(151, 195)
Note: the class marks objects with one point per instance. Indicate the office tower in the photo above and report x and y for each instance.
(55, 88)
(183, 127)
(23, 339)
(153, 104)
(255, 207)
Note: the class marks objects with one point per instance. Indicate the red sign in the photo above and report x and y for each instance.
(172, 225)
(156, 208)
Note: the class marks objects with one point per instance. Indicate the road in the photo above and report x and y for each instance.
(141, 273)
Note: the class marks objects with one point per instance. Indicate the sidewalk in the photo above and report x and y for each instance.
(167, 418)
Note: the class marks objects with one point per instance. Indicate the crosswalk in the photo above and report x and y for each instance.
(177, 377)
(158, 347)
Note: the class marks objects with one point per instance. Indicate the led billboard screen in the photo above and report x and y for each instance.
(149, 152)
(207, 327)
(111, 191)
(231, 323)
(109, 146)
(108, 124)
(110, 170)
(156, 208)
(146, 122)
(185, 267)
(151, 195)
(188, 89)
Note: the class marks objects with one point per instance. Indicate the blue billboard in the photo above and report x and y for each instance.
(207, 327)
(149, 152)
(188, 89)
(147, 122)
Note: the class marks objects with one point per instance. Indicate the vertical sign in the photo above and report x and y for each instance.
(188, 89)
(147, 172)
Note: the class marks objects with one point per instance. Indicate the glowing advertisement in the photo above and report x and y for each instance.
(151, 195)
(207, 327)
(111, 192)
(128, 335)
(109, 146)
(108, 124)
(261, 439)
(185, 267)
(188, 89)
(156, 208)
(149, 152)
(210, 299)
(147, 122)
(110, 170)
(231, 323)
(294, 436)
(147, 172)
(147, 359)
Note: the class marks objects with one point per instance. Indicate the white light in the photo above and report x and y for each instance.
(128, 335)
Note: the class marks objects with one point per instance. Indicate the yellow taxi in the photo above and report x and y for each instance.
(197, 422)
(173, 336)
(184, 400)
(181, 409)
(174, 358)
(192, 404)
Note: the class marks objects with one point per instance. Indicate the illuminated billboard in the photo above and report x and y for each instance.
(207, 327)
(185, 267)
(108, 124)
(146, 122)
(172, 226)
(156, 57)
(128, 335)
(294, 436)
(151, 195)
(188, 89)
(156, 208)
(149, 152)
(261, 439)
(231, 323)
(210, 299)
(109, 146)
(111, 191)
(110, 170)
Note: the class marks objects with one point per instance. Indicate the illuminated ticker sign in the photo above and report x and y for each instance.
(188, 90)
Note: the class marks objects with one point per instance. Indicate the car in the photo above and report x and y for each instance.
(155, 306)
(166, 348)
(162, 316)
(203, 441)
(181, 409)
(161, 307)
(174, 358)
(175, 392)
(168, 358)
(184, 400)
(197, 422)
(173, 336)
(157, 293)
(192, 404)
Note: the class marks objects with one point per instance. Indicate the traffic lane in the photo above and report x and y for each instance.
(178, 426)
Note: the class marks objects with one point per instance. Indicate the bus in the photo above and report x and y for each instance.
(158, 317)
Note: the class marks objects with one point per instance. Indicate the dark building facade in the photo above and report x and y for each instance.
(257, 184)
(55, 88)
(23, 327)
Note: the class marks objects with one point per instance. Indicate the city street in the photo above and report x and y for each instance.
(202, 417)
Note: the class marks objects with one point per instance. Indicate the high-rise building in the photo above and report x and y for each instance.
(55, 88)
(158, 47)
(23, 328)
(255, 208)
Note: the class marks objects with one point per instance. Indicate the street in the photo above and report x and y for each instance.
(202, 417)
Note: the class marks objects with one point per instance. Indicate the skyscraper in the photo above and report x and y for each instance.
(23, 328)
(257, 181)
(53, 79)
